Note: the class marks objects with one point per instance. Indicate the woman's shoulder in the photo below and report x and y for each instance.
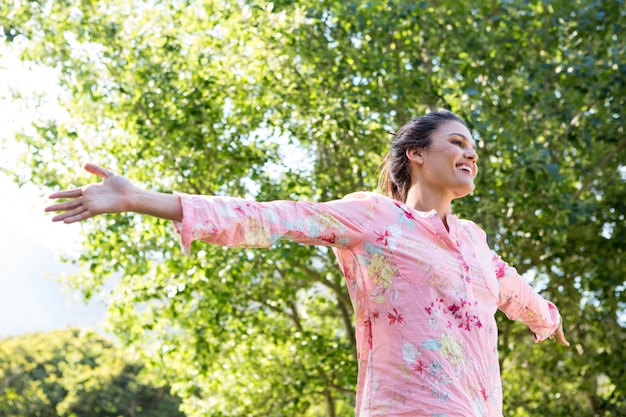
(368, 196)
(369, 202)
(360, 195)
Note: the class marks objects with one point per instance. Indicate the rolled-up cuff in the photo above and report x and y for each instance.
(185, 228)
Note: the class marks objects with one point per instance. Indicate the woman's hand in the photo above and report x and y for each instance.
(113, 195)
(559, 336)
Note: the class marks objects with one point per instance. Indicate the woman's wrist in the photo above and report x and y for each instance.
(162, 205)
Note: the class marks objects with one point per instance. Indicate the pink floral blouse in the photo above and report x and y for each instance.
(424, 297)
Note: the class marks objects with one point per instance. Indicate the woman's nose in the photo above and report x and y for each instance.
(471, 154)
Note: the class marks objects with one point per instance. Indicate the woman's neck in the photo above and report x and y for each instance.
(427, 201)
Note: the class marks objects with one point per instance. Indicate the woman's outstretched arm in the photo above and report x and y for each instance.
(115, 194)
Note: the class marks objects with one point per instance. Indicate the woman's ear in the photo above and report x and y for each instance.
(415, 155)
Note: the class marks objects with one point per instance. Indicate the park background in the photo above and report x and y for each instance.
(294, 100)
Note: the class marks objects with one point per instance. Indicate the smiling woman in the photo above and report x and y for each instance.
(435, 146)
(446, 165)
(424, 284)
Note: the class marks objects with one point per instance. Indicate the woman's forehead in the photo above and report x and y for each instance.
(452, 127)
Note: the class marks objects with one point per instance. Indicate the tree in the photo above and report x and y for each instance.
(70, 373)
(209, 97)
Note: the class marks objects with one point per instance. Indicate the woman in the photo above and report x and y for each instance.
(424, 284)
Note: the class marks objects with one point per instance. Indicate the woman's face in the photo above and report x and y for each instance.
(449, 162)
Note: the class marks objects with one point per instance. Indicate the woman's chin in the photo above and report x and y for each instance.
(464, 191)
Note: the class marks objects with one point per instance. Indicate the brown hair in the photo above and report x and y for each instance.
(395, 177)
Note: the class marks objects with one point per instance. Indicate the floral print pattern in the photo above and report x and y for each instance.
(424, 296)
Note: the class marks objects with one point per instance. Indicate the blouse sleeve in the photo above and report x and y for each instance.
(520, 302)
(237, 222)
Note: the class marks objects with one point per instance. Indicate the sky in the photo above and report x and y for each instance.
(32, 298)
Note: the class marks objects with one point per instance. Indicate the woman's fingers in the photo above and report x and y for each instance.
(73, 193)
(67, 219)
(77, 217)
(98, 170)
(73, 210)
(68, 205)
(559, 336)
(78, 192)
(111, 195)
(67, 213)
(87, 201)
(74, 215)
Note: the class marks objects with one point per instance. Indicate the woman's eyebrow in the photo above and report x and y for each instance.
(464, 137)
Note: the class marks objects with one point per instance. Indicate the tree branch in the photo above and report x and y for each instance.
(346, 316)
(317, 277)
(330, 403)
(295, 316)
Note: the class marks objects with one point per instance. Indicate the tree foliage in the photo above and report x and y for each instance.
(70, 373)
(294, 100)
